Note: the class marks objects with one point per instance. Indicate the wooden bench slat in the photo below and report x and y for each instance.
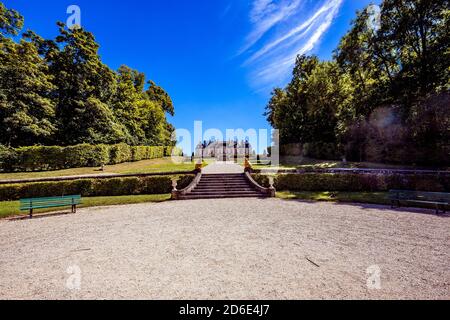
(51, 198)
(50, 202)
(439, 199)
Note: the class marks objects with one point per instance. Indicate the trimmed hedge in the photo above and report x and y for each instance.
(357, 182)
(45, 158)
(94, 187)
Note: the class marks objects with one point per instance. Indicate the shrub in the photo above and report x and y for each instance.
(356, 182)
(43, 158)
(169, 151)
(8, 158)
(139, 153)
(120, 153)
(117, 187)
(38, 158)
(93, 187)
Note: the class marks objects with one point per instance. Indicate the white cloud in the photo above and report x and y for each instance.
(265, 14)
(272, 63)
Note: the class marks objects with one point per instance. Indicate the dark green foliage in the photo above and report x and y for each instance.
(27, 113)
(158, 94)
(385, 95)
(59, 92)
(93, 188)
(45, 158)
(120, 153)
(10, 21)
(356, 182)
(8, 158)
(321, 150)
(117, 187)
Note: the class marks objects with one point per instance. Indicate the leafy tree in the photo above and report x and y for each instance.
(142, 113)
(59, 91)
(11, 22)
(26, 110)
(27, 114)
(125, 103)
(158, 94)
(85, 87)
(418, 32)
(287, 110)
(380, 97)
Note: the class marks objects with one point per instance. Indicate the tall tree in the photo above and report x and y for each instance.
(158, 94)
(26, 110)
(11, 22)
(85, 87)
(418, 32)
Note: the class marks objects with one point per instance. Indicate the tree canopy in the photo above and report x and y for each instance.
(376, 99)
(58, 91)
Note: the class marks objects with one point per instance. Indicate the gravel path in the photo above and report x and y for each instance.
(227, 249)
(223, 167)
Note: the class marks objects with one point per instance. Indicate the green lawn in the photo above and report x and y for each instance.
(145, 166)
(354, 197)
(11, 208)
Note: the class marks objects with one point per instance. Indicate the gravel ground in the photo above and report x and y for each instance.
(223, 167)
(227, 249)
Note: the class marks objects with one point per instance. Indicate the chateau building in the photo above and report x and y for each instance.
(223, 151)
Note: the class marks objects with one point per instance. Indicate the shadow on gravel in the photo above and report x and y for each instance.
(40, 216)
(383, 208)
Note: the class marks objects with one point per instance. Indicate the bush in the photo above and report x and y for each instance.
(356, 182)
(169, 151)
(85, 155)
(93, 187)
(44, 158)
(8, 158)
(120, 153)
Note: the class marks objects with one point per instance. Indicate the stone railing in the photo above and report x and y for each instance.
(176, 194)
(271, 192)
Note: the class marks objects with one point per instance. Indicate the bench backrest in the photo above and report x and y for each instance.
(419, 195)
(31, 203)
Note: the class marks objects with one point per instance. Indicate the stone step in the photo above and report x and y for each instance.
(252, 192)
(224, 179)
(230, 184)
(221, 196)
(223, 190)
(216, 176)
(224, 187)
(223, 182)
(223, 175)
(219, 186)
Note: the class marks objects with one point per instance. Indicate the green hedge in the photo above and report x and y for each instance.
(356, 182)
(45, 158)
(94, 187)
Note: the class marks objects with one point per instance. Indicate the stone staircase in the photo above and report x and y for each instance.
(219, 186)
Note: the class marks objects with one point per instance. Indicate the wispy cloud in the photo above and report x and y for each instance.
(265, 14)
(272, 62)
(226, 10)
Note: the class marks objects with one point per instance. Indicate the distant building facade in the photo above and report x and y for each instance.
(224, 151)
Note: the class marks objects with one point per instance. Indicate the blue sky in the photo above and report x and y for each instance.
(218, 59)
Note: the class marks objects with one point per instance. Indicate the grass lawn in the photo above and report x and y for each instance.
(145, 166)
(355, 197)
(11, 208)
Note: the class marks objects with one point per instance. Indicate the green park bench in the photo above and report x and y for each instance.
(437, 199)
(53, 202)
